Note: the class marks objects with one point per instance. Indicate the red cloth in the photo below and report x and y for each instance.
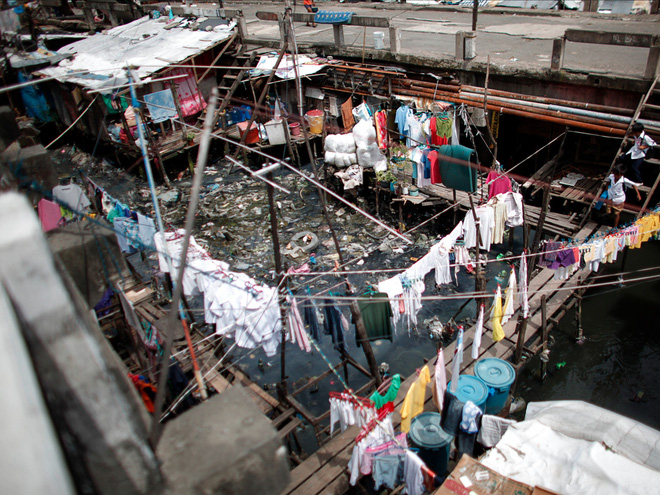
(497, 184)
(434, 158)
(49, 214)
(381, 129)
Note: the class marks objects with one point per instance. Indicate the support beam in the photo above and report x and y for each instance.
(338, 32)
(653, 61)
(558, 47)
(395, 39)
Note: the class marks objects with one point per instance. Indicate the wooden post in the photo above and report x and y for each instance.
(282, 387)
(475, 13)
(455, 208)
(178, 108)
(479, 279)
(544, 329)
(579, 337)
(360, 329)
(544, 208)
(522, 329)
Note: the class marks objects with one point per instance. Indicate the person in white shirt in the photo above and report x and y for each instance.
(616, 192)
(638, 152)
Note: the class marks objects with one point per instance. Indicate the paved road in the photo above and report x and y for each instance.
(512, 38)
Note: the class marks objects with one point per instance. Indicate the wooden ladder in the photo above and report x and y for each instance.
(652, 161)
(232, 79)
(641, 107)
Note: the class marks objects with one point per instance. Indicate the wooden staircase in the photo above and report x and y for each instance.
(643, 107)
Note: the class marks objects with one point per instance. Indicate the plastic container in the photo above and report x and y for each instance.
(253, 133)
(471, 388)
(315, 120)
(379, 40)
(433, 442)
(275, 132)
(498, 375)
(294, 128)
(413, 191)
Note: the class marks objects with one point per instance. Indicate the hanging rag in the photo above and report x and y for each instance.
(457, 167)
(413, 404)
(477, 334)
(498, 331)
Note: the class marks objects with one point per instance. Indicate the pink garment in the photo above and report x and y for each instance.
(297, 332)
(393, 447)
(49, 214)
(497, 184)
(190, 99)
(304, 268)
(381, 129)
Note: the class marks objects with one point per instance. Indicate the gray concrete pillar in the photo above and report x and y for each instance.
(241, 24)
(338, 32)
(558, 46)
(460, 43)
(395, 39)
(466, 45)
(653, 62)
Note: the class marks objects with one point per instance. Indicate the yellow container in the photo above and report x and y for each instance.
(315, 120)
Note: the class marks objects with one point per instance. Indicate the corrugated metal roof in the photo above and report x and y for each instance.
(149, 44)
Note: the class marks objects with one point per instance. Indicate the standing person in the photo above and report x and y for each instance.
(616, 193)
(637, 153)
(310, 6)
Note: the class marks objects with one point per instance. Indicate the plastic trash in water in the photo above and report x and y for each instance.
(561, 365)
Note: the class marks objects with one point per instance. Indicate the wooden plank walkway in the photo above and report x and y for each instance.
(555, 223)
(325, 472)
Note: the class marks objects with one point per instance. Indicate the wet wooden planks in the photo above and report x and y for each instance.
(325, 472)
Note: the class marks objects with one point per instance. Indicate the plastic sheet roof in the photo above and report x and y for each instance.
(149, 44)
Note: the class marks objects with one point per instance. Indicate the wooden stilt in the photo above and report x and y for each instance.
(544, 329)
(579, 337)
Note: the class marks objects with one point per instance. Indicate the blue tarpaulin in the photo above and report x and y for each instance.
(329, 17)
(161, 105)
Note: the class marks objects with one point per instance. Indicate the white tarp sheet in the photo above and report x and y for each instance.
(285, 70)
(574, 447)
(145, 43)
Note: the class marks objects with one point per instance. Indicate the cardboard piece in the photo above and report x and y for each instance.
(481, 481)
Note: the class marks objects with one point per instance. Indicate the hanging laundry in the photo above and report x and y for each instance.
(333, 325)
(486, 221)
(146, 390)
(496, 320)
(378, 434)
(524, 301)
(377, 317)
(467, 434)
(498, 183)
(478, 332)
(161, 106)
(413, 404)
(439, 380)
(458, 167)
(514, 208)
(388, 470)
(511, 290)
(392, 447)
(380, 119)
(347, 114)
(310, 315)
(296, 334)
(414, 477)
(389, 396)
(499, 222)
(458, 360)
(401, 120)
(452, 413)
(347, 411)
(146, 231)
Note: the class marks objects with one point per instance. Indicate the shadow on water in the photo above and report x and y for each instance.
(618, 367)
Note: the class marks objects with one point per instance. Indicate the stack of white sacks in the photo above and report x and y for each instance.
(340, 150)
(359, 146)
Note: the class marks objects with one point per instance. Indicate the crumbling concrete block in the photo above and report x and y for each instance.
(224, 446)
(100, 422)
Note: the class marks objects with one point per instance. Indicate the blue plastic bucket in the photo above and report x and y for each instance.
(433, 442)
(471, 388)
(498, 375)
